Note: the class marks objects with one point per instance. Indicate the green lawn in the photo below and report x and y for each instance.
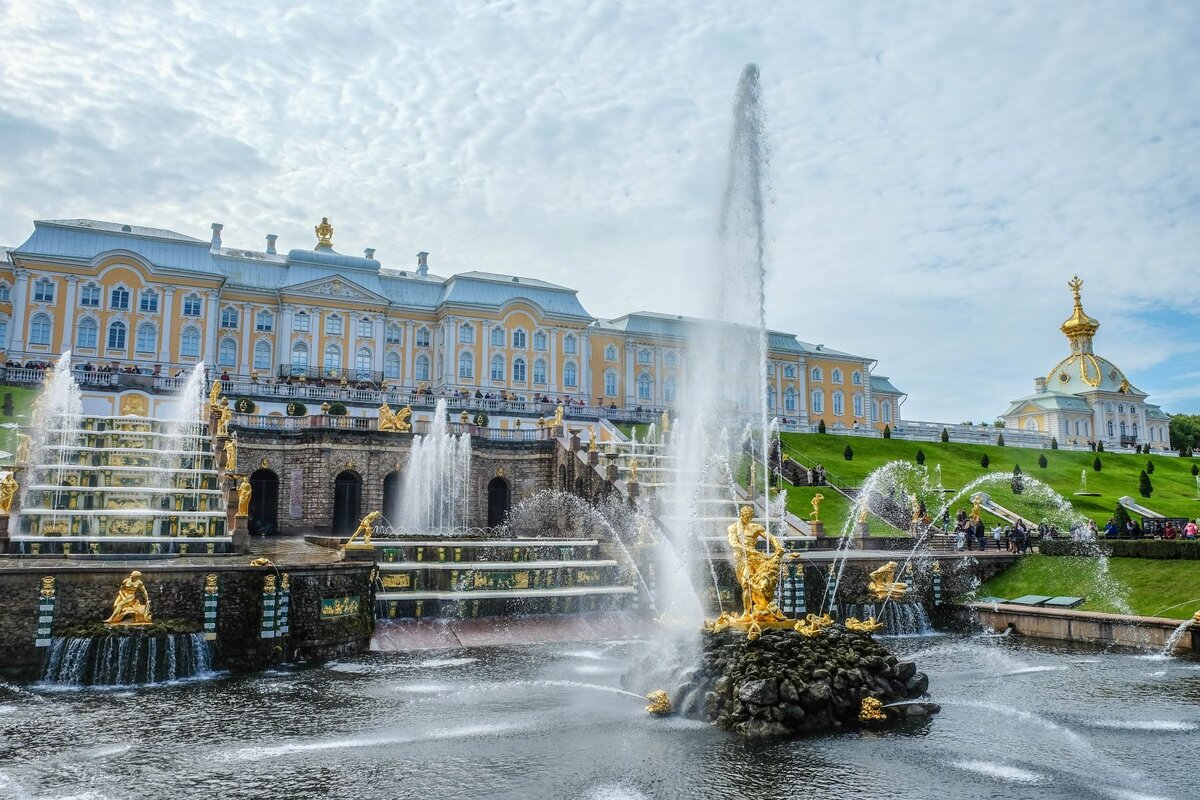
(628, 428)
(22, 403)
(1150, 586)
(835, 509)
(1174, 486)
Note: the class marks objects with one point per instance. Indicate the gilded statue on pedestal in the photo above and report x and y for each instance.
(868, 625)
(666, 422)
(592, 438)
(633, 470)
(22, 454)
(394, 421)
(659, 703)
(758, 575)
(558, 417)
(214, 397)
(883, 584)
(8, 493)
(915, 503)
(244, 491)
(976, 505)
(231, 454)
(132, 601)
(364, 529)
(816, 501)
(225, 416)
(871, 710)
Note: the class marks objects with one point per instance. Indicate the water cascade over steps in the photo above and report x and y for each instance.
(125, 660)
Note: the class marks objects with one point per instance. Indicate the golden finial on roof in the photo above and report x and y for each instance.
(324, 233)
(1080, 324)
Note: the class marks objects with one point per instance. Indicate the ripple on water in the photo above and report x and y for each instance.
(614, 793)
(446, 662)
(306, 746)
(1032, 670)
(1166, 725)
(1002, 772)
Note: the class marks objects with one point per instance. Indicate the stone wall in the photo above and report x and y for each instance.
(85, 596)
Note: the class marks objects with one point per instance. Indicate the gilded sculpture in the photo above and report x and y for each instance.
(666, 422)
(915, 503)
(976, 505)
(883, 584)
(8, 493)
(210, 583)
(225, 416)
(816, 501)
(658, 703)
(231, 454)
(395, 421)
(132, 603)
(592, 438)
(862, 514)
(214, 396)
(244, 491)
(871, 710)
(633, 470)
(812, 625)
(22, 454)
(758, 574)
(558, 417)
(48, 586)
(324, 233)
(364, 529)
(868, 625)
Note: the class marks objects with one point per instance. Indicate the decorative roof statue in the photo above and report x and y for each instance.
(324, 233)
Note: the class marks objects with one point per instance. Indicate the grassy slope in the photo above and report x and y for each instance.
(1149, 586)
(23, 398)
(1174, 485)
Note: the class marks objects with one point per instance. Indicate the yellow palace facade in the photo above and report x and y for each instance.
(153, 301)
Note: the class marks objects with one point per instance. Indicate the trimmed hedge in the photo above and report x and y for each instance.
(1167, 549)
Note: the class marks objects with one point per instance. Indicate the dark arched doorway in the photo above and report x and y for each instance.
(264, 503)
(391, 498)
(498, 500)
(347, 502)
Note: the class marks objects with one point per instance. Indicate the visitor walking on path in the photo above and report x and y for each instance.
(997, 535)
(1189, 530)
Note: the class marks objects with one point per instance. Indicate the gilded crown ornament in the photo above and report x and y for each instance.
(324, 233)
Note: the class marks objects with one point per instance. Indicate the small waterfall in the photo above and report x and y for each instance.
(1176, 635)
(125, 660)
(434, 494)
(899, 619)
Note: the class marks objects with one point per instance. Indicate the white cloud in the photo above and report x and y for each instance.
(938, 171)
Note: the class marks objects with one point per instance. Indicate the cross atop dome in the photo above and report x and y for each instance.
(1079, 328)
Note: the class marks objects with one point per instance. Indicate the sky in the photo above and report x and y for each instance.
(938, 171)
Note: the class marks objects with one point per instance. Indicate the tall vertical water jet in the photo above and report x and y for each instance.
(434, 493)
(54, 425)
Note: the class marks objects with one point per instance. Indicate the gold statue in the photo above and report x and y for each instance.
(214, 396)
(666, 422)
(395, 421)
(47, 586)
(364, 529)
(244, 491)
(591, 438)
(324, 233)
(659, 703)
(22, 454)
(225, 416)
(261, 562)
(862, 514)
(868, 625)
(817, 499)
(871, 710)
(633, 470)
(915, 503)
(758, 574)
(1196, 618)
(132, 600)
(558, 417)
(976, 505)
(8, 493)
(812, 625)
(231, 454)
(883, 584)
(210, 583)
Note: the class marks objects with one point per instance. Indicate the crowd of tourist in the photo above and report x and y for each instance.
(1150, 529)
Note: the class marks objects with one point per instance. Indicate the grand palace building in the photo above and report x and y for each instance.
(131, 300)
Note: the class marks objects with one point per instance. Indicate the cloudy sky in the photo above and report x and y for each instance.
(938, 172)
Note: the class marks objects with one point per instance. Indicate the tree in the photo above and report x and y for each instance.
(1096, 465)
(945, 435)
(337, 410)
(821, 426)
(1121, 517)
(998, 423)
(1185, 433)
(887, 431)
(1099, 447)
(1000, 440)
(1053, 442)
(296, 409)
(920, 456)
(8, 406)
(848, 454)
(1195, 470)
(1149, 467)
(1144, 487)
(1042, 462)
(983, 462)
(1018, 482)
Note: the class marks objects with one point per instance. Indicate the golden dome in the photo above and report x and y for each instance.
(1080, 324)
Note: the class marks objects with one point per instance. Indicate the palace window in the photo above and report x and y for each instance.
(887, 412)
(1110, 428)
(43, 291)
(498, 336)
(191, 305)
(366, 328)
(789, 400)
(519, 339)
(671, 358)
(856, 378)
(570, 375)
(610, 353)
(393, 335)
(839, 404)
(539, 371)
(466, 333)
(299, 356)
(189, 343)
(148, 301)
(422, 337)
(540, 340)
(816, 403)
(362, 361)
(497, 368)
(858, 405)
(5, 292)
(264, 321)
(421, 368)
(262, 355)
(610, 383)
(518, 373)
(87, 333)
(3, 333)
(836, 376)
(333, 358)
(229, 317)
(669, 390)
(227, 353)
(644, 356)
(645, 387)
(816, 374)
(118, 299)
(147, 338)
(466, 366)
(789, 371)
(391, 366)
(570, 344)
(116, 336)
(90, 296)
(300, 322)
(333, 325)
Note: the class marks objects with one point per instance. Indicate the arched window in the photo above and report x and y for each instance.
(189, 342)
(191, 305)
(227, 353)
(836, 376)
(86, 333)
(148, 301)
(421, 368)
(816, 374)
(645, 387)
(570, 375)
(789, 400)
(539, 371)
(300, 356)
(5, 291)
(789, 371)
(1076, 427)
(817, 402)
(669, 389)
(644, 356)
(147, 338)
(1110, 428)
(771, 401)
(118, 299)
(671, 358)
(497, 368)
(539, 340)
(1122, 427)
(393, 335)
(466, 333)
(333, 358)
(366, 328)
(300, 322)
(610, 383)
(610, 353)
(1121, 408)
(264, 321)
(422, 337)
(856, 378)
(518, 374)
(391, 366)
(43, 291)
(519, 339)
(116, 336)
(362, 362)
(466, 366)
(839, 404)
(262, 355)
(887, 412)
(570, 344)
(89, 296)
(3, 332)
(858, 405)
(229, 317)
(498, 336)
(333, 325)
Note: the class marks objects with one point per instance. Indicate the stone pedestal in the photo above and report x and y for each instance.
(593, 457)
(575, 443)
(241, 534)
(3, 533)
(359, 552)
(817, 527)
(634, 489)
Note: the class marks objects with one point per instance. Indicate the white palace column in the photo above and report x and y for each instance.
(68, 329)
(802, 388)
(210, 337)
(585, 371)
(164, 342)
(485, 370)
(380, 343)
(283, 337)
(450, 352)
(20, 300)
(630, 384)
(248, 322)
(408, 370)
(552, 378)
